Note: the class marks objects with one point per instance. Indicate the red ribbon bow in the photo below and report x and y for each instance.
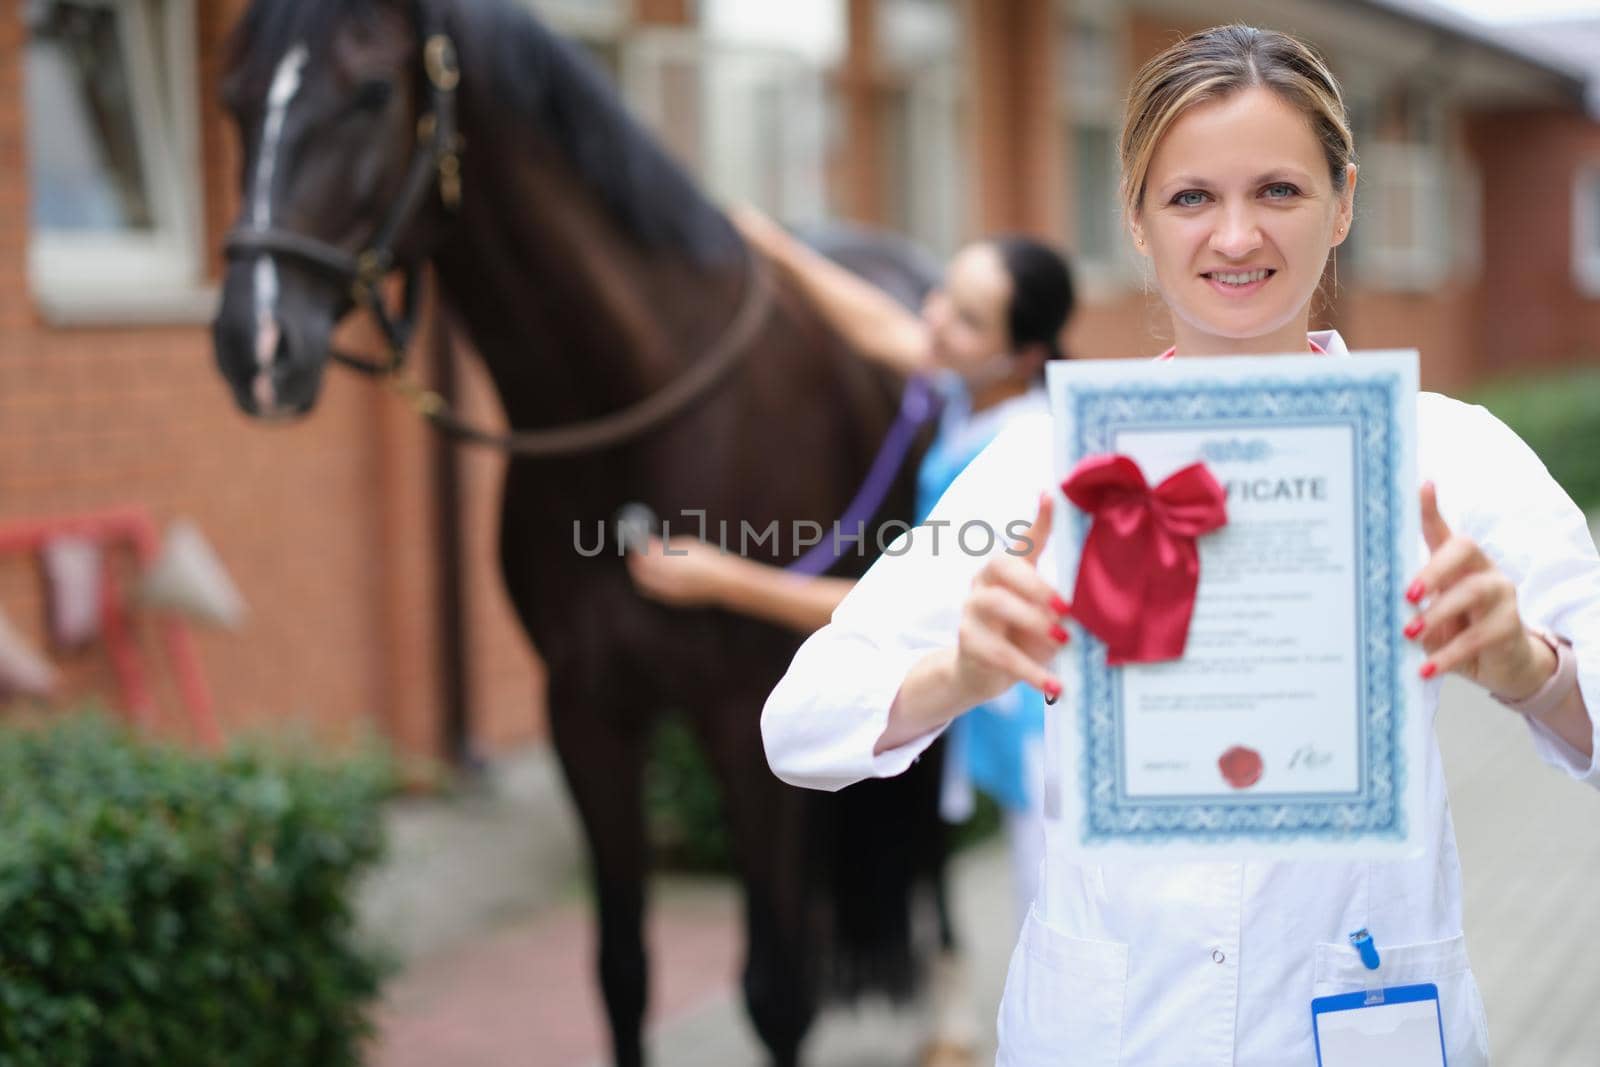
(1140, 567)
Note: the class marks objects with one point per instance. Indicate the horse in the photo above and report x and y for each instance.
(642, 353)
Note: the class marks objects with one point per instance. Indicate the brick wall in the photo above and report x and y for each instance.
(1532, 314)
(326, 525)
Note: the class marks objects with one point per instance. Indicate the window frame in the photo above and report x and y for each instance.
(604, 25)
(1110, 275)
(925, 110)
(780, 167)
(1421, 164)
(98, 278)
(1423, 264)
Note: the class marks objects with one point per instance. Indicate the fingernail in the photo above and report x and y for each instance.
(1052, 692)
(1059, 606)
(1058, 633)
(1414, 594)
(1414, 627)
(1428, 669)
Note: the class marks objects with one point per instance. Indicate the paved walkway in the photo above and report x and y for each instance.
(1530, 847)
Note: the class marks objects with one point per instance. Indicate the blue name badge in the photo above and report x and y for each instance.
(1404, 1029)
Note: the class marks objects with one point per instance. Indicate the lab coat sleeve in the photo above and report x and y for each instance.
(820, 724)
(1539, 538)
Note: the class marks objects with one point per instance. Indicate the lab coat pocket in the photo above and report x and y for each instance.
(1444, 963)
(1063, 1000)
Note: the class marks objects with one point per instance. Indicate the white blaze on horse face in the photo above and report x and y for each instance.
(285, 84)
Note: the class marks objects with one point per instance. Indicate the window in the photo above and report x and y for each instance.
(1466, 214)
(112, 150)
(1094, 185)
(1089, 86)
(919, 45)
(584, 19)
(595, 25)
(742, 101)
(1586, 230)
(1402, 239)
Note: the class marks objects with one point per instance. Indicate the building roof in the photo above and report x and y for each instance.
(1573, 77)
(1574, 42)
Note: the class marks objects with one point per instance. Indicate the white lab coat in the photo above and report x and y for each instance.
(1213, 963)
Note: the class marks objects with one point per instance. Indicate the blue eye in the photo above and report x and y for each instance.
(1280, 191)
(1189, 198)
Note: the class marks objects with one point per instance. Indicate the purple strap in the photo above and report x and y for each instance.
(918, 404)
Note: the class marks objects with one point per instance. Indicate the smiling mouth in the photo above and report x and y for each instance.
(1238, 281)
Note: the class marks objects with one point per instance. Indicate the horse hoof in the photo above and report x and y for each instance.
(947, 1054)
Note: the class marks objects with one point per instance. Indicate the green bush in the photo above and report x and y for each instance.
(1559, 416)
(683, 805)
(168, 909)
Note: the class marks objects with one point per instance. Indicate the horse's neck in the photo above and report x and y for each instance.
(572, 318)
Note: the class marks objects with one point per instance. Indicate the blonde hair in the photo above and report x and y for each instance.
(1216, 63)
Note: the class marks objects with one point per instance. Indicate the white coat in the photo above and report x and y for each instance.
(1213, 963)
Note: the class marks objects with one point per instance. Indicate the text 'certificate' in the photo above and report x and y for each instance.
(1291, 725)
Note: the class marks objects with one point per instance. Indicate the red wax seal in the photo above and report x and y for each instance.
(1240, 766)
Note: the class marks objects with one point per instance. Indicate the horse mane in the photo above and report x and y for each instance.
(548, 82)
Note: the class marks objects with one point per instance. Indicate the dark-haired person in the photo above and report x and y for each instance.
(983, 336)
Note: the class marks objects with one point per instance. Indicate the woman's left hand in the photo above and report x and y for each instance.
(1470, 623)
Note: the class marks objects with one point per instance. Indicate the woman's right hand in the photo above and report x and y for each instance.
(685, 572)
(760, 230)
(1011, 621)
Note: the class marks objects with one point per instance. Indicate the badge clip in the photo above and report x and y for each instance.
(1361, 940)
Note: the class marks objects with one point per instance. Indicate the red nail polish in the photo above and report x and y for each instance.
(1414, 627)
(1414, 594)
(1428, 669)
(1058, 633)
(1059, 606)
(1052, 692)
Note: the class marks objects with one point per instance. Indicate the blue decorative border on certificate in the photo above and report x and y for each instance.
(1376, 810)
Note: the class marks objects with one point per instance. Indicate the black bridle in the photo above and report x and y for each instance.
(437, 156)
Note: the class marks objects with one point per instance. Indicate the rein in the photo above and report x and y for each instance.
(918, 404)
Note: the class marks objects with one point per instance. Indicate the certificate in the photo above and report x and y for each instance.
(1291, 725)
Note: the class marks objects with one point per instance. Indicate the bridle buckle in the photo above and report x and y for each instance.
(439, 60)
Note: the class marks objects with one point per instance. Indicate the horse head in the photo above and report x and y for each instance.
(345, 116)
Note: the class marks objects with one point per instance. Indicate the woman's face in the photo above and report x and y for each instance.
(1238, 216)
(966, 317)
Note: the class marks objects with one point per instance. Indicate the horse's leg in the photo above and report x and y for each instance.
(768, 824)
(604, 765)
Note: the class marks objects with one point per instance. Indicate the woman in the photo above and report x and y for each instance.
(984, 336)
(1239, 178)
